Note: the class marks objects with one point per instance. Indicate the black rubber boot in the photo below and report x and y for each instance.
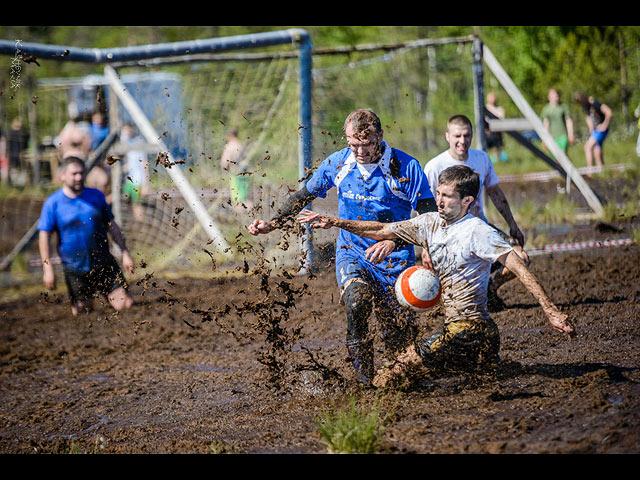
(358, 302)
(361, 354)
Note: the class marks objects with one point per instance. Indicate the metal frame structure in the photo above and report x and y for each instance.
(206, 50)
(185, 50)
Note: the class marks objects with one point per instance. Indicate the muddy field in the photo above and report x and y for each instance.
(248, 364)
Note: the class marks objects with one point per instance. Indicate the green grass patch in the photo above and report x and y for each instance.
(355, 427)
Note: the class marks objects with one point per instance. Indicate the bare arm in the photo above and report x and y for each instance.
(116, 234)
(48, 273)
(367, 229)
(589, 123)
(608, 114)
(502, 205)
(569, 123)
(558, 320)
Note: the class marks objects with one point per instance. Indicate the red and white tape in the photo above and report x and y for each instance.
(565, 247)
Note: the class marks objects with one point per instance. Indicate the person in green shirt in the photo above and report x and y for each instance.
(557, 120)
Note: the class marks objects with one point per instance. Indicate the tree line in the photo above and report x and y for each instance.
(603, 61)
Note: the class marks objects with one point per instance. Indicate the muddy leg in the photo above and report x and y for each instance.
(358, 302)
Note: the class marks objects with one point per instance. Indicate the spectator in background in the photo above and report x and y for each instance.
(73, 139)
(598, 118)
(557, 120)
(494, 139)
(136, 183)
(98, 131)
(17, 142)
(235, 163)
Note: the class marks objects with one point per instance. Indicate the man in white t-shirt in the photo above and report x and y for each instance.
(459, 135)
(462, 249)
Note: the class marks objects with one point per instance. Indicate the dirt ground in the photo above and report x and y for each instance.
(248, 364)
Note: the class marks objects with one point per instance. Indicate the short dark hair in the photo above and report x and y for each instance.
(71, 159)
(461, 120)
(363, 121)
(466, 181)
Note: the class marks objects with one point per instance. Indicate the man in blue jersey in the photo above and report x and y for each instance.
(373, 182)
(81, 218)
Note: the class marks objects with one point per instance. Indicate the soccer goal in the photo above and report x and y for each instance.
(185, 97)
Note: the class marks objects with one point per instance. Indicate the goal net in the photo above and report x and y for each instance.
(194, 104)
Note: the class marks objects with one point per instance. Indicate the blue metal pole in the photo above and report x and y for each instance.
(113, 55)
(305, 140)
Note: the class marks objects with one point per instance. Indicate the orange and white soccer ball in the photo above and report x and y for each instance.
(418, 288)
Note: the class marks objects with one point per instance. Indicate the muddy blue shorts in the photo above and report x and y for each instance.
(398, 324)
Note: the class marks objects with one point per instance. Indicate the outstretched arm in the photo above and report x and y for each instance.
(367, 229)
(290, 209)
(502, 205)
(559, 320)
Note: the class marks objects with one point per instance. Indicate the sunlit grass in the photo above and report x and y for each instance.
(356, 427)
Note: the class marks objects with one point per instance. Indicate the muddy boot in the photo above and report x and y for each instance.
(406, 361)
(361, 355)
(358, 302)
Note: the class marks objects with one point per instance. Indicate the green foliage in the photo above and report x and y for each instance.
(560, 209)
(355, 427)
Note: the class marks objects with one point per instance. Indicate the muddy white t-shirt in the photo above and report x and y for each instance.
(478, 161)
(462, 254)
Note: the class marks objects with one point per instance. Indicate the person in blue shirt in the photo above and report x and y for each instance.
(81, 219)
(373, 182)
(98, 131)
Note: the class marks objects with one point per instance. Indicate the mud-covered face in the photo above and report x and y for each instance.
(459, 139)
(451, 207)
(366, 146)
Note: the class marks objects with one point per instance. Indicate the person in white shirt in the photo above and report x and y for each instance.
(462, 249)
(459, 134)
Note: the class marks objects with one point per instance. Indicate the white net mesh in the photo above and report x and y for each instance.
(194, 105)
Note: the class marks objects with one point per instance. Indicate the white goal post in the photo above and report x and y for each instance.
(176, 174)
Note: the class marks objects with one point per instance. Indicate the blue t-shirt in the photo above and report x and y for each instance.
(98, 134)
(81, 224)
(372, 193)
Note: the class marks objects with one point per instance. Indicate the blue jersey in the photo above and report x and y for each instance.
(81, 224)
(372, 193)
